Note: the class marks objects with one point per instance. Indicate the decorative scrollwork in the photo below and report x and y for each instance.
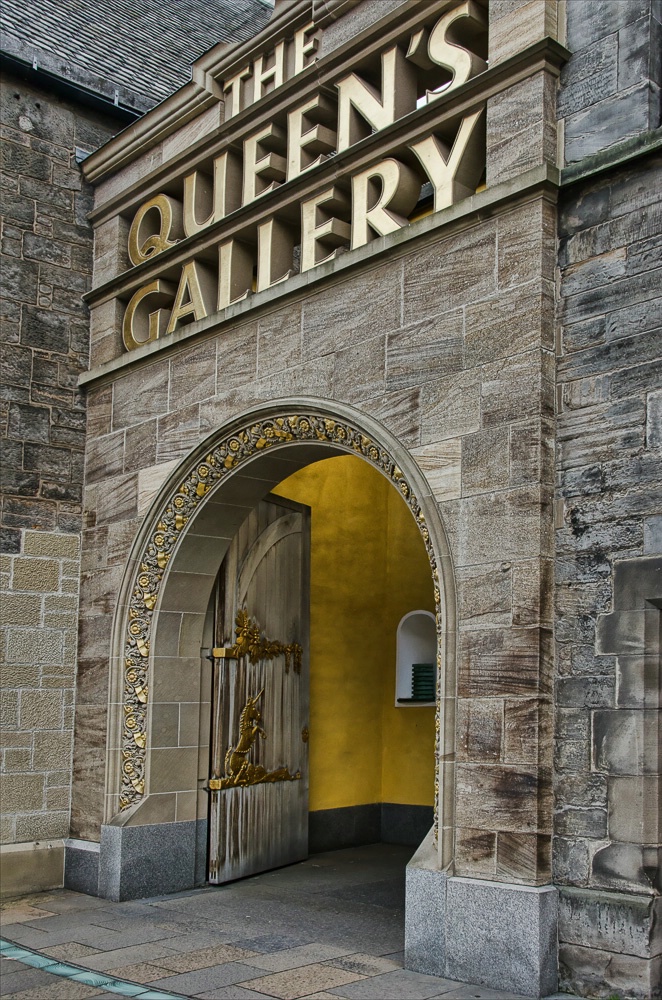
(251, 643)
(204, 478)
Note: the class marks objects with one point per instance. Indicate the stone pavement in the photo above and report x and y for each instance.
(328, 928)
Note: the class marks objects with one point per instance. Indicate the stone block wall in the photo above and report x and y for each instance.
(609, 575)
(412, 354)
(609, 581)
(609, 497)
(610, 90)
(46, 263)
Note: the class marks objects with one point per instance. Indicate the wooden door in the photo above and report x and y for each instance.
(258, 785)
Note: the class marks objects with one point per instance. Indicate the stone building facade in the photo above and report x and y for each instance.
(493, 352)
(57, 107)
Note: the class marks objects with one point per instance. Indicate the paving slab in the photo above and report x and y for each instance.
(102, 961)
(365, 965)
(203, 980)
(232, 993)
(294, 958)
(266, 943)
(141, 972)
(301, 982)
(207, 957)
(401, 983)
(14, 982)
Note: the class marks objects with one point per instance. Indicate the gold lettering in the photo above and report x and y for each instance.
(359, 103)
(319, 226)
(275, 247)
(459, 61)
(304, 46)
(262, 163)
(195, 286)
(233, 88)
(140, 329)
(442, 165)
(383, 197)
(222, 194)
(266, 80)
(305, 139)
(235, 272)
(170, 218)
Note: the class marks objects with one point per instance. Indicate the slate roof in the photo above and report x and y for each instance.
(135, 51)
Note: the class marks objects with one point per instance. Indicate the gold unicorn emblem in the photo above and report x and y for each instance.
(239, 771)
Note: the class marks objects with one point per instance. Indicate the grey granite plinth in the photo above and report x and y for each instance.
(81, 866)
(494, 934)
(139, 861)
(425, 912)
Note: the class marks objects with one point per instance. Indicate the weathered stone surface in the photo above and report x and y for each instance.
(501, 797)
(616, 922)
(500, 662)
(594, 972)
(425, 351)
(480, 729)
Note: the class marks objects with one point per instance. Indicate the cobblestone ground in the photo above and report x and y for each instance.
(330, 927)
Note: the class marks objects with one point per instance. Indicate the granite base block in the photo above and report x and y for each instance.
(201, 834)
(151, 860)
(502, 935)
(494, 934)
(81, 866)
(425, 912)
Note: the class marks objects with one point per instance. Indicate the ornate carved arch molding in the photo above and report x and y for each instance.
(206, 473)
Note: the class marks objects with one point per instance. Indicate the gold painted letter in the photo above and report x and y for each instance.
(459, 61)
(262, 163)
(170, 221)
(232, 88)
(318, 225)
(266, 80)
(197, 285)
(466, 158)
(235, 272)
(388, 183)
(361, 108)
(275, 247)
(305, 139)
(138, 328)
(221, 195)
(304, 46)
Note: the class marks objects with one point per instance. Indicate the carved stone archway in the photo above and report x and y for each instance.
(244, 460)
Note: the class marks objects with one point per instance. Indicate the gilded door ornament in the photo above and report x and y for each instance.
(251, 643)
(239, 771)
(206, 476)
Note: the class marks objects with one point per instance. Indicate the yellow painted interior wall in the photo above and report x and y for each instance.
(368, 569)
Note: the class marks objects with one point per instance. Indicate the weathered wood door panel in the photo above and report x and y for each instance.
(259, 759)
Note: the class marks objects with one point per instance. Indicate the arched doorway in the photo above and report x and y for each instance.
(159, 716)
